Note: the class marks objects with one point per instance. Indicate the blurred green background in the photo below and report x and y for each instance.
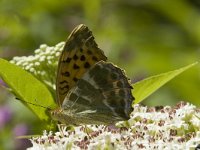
(144, 37)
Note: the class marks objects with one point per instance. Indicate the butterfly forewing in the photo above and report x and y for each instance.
(105, 89)
(79, 54)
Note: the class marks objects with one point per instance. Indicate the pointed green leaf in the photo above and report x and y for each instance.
(146, 87)
(27, 88)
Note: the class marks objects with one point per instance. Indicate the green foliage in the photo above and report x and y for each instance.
(143, 37)
(43, 64)
(146, 87)
(27, 88)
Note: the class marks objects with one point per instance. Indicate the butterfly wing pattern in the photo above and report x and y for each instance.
(79, 54)
(93, 92)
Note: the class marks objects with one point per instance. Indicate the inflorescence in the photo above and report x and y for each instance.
(148, 128)
(43, 64)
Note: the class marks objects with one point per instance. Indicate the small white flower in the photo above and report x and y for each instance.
(144, 134)
(16, 58)
(43, 46)
(27, 67)
(57, 54)
(37, 51)
(42, 58)
(37, 63)
(32, 70)
(18, 63)
(30, 58)
(49, 57)
(42, 72)
(12, 61)
(60, 45)
(49, 50)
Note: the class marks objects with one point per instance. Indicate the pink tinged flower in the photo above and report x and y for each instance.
(2, 83)
(21, 130)
(5, 116)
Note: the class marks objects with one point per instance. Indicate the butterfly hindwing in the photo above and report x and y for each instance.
(104, 88)
(79, 54)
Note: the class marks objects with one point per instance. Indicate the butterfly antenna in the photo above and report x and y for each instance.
(32, 103)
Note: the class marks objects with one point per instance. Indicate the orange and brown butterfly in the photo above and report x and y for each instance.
(89, 89)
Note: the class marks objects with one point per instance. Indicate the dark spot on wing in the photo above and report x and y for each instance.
(122, 103)
(95, 69)
(76, 66)
(119, 84)
(75, 57)
(64, 87)
(113, 76)
(66, 74)
(121, 93)
(62, 82)
(112, 93)
(109, 86)
(73, 96)
(94, 58)
(67, 60)
(82, 58)
(89, 52)
(75, 79)
(120, 112)
(112, 102)
(86, 65)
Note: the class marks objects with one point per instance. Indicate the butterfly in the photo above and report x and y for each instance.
(89, 90)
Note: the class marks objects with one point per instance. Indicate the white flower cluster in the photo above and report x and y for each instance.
(43, 63)
(156, 128)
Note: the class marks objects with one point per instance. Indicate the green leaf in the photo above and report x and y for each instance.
(146, 87)
(27, 88)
